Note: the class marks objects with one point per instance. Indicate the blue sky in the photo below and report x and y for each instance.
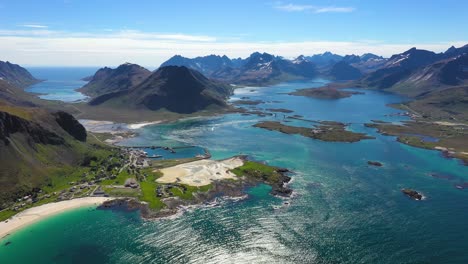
(103, 32)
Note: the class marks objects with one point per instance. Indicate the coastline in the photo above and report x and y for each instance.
(38, 213)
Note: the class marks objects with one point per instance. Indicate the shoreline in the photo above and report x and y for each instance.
(35, 214)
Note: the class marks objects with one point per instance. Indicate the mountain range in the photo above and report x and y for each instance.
(258, 68)
(264, 68)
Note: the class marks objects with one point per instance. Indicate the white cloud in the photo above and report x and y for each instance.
(135, 34)
(294, 8)
(34, 26)
(332, 9)
(311, 8)
(151, 49)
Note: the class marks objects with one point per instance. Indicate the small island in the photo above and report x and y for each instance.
(374, 163)
(324, 93)
(248, 102)
(325, 131)
(412, 194)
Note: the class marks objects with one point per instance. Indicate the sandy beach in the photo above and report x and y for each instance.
(140, 125)
(201, 172)
(35, 214)
(98, 126)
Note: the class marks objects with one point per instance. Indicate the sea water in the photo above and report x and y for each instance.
(60, 83)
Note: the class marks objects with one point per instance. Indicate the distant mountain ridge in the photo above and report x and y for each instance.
(206, 65)
(325, 59)
(344, 71)
(264, 68)
(258, 68)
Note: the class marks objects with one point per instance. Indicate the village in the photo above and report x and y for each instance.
(119, 174)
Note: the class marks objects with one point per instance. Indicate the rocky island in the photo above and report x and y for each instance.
(375, 163)
(412, 194)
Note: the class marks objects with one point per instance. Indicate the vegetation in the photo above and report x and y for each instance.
(447, 137)
(326, 131)
(258, 171)
(324, 93)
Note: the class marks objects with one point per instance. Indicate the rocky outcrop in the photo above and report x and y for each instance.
(10, 124)
(412, 194)
(68, 123)
(375, 163)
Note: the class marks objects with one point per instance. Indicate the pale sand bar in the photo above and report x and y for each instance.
(35, 214)
(201, 172)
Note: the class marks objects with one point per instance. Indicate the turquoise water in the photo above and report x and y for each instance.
(343, 211)
(60, 83)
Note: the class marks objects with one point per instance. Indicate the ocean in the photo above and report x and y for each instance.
(343, 210)
(59, 83)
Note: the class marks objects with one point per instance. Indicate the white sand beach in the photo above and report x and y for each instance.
(140, 125)
(35, 214)
(201, 172)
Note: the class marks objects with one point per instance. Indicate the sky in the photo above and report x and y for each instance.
(111, 32)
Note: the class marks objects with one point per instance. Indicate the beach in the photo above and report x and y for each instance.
(35, 214)
(201, 172)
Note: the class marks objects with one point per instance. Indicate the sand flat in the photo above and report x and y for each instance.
(35, 214)
(200, 172)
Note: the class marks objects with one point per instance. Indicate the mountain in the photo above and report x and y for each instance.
(324, 59)
(452, 51)
(351, 59)
(439, 75)
(257, 69)
(174, 88)
(369, 62)
(107, 80)
(206, 65)
(34, 142)
(14, 95)
(412, 59)
(370, 56)
(446, 104)
(16, 75)
(344, 71)
(365, 63)
(264, 68)
(398, 67)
